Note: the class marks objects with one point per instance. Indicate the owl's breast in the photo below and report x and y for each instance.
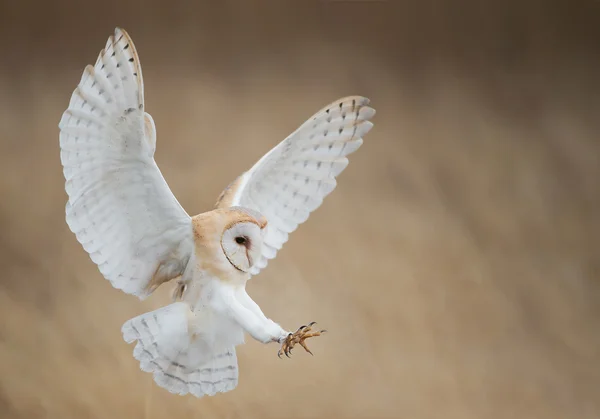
(211, 320)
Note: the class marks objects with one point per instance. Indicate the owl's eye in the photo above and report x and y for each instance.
(240, 240)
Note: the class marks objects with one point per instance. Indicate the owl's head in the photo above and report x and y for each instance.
(242, 238)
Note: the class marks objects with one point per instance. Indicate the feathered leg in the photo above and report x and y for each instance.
(291, 339)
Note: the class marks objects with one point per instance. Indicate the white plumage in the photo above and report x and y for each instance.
(180, 363)
(292, 179)
(120, 206)
(126, 217)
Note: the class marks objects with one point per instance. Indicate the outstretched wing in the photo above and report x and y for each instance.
(120, 207)
(291, 180)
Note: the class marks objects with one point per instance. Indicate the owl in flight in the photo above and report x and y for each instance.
(128, 220)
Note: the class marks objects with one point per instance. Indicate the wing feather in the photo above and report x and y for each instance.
(289, 182)
(120, 206)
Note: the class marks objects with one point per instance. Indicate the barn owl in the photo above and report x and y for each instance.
(129, 222)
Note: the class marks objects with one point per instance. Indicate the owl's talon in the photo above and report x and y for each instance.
(299, 336)
(306, 347)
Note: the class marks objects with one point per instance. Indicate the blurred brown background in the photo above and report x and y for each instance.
(456, 265)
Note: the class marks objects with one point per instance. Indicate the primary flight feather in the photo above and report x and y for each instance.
(128, 220)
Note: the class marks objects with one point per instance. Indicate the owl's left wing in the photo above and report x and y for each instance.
(291, 180)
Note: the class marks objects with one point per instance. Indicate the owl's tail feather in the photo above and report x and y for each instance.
(180, 361)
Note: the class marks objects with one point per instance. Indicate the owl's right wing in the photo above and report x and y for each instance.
(291, 180)
(120, 206)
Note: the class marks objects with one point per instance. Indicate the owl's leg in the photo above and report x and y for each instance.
(288, 341)
(257, 325)
(298, 337)
(249, 303)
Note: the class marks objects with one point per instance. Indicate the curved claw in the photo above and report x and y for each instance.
(304, 332)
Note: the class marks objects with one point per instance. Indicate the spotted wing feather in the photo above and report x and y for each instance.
(292, 179)
(120, 206)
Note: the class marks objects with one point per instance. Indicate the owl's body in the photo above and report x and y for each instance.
(125, 216)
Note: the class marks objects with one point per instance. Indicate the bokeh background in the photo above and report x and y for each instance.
(456, 266)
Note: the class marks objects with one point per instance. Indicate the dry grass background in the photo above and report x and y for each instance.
(456, 266)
